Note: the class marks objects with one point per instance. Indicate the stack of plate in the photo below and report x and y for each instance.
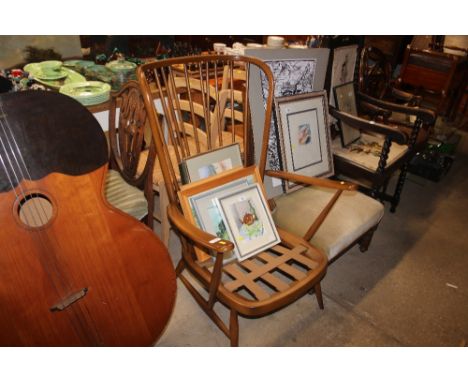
(65, 76)
(87, 93)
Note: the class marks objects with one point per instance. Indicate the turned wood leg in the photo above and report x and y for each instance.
(234, 328)
(318, 295)
(366, 239)
(399, 188)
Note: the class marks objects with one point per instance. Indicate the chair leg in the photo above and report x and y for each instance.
(165, 224)
(399, 188)
(318, 295)
(234, 328)
(366, 239)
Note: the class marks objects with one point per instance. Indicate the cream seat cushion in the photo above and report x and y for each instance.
(352, 215)
(365, 152)
(124, 196)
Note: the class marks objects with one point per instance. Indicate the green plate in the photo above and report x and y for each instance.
(50, 77)
(72, 76)
(71, 63)
(87, 92)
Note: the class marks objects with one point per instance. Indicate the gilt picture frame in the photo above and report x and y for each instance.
(304, 134)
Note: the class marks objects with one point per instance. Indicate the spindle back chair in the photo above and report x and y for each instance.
(261, 284)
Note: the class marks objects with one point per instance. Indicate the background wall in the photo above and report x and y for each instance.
(12, 47)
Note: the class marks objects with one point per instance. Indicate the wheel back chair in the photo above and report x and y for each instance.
(273, 278)
(128, 184)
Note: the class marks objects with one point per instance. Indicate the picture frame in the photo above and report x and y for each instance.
(346, 101)
(278, 59)
(249, 220)
(343, 67)
(210, 163)
(198, 202)
(304, 135)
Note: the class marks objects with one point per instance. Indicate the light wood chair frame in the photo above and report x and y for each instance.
(210, 274)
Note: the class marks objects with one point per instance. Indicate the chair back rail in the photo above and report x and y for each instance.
(199, 114)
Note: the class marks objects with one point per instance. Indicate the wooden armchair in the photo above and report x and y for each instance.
(381, 150)
(259, 285)
(128, 184)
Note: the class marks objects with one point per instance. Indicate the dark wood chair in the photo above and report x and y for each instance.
(436, 76)
(381, 151)
(128, 185)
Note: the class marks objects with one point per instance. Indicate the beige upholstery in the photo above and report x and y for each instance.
(353, 214)
(366, 151)
(125, 197)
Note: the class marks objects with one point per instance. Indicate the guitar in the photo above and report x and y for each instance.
(74, 271)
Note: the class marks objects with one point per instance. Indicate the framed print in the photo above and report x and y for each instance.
(249, 220)
(210, 163)
(344, 65)
(295, 71)
(346, 101)
(198, 201)
(304, 135)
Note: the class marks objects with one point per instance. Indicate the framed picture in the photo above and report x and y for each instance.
(295, 71)
(304, 135)
(210, 163)
(198, 201)
(344, 65)
(346, 101)
(249, 220)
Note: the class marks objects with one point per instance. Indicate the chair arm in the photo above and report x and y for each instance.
(426, 115)
(198, 236)
(410, 99)
(375, 111)
(312, 181)
(392, 132)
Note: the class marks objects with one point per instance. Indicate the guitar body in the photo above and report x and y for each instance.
(73, 270)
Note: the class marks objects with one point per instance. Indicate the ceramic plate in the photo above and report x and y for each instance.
(49, 77)
(88, 92)
(72, 76)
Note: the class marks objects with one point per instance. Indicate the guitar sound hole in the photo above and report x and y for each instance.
(35, 210)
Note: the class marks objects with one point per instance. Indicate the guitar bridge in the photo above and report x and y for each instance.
(64, 304)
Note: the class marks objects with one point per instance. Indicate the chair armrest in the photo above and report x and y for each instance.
(426, 115)
(312, 181)
(410, 99)
(375, 111)
(392, 132)
(202, 238)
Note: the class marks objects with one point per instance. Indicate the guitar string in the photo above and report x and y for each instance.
(61, 280)
(32, 199)
(26, 216)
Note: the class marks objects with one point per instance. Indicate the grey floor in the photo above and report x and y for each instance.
(409, 289)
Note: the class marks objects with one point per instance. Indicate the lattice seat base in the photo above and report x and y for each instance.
(259, 285)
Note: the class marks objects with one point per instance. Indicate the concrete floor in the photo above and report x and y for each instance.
(409, 289)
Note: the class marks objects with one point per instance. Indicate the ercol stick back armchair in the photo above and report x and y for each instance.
(275, 277)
